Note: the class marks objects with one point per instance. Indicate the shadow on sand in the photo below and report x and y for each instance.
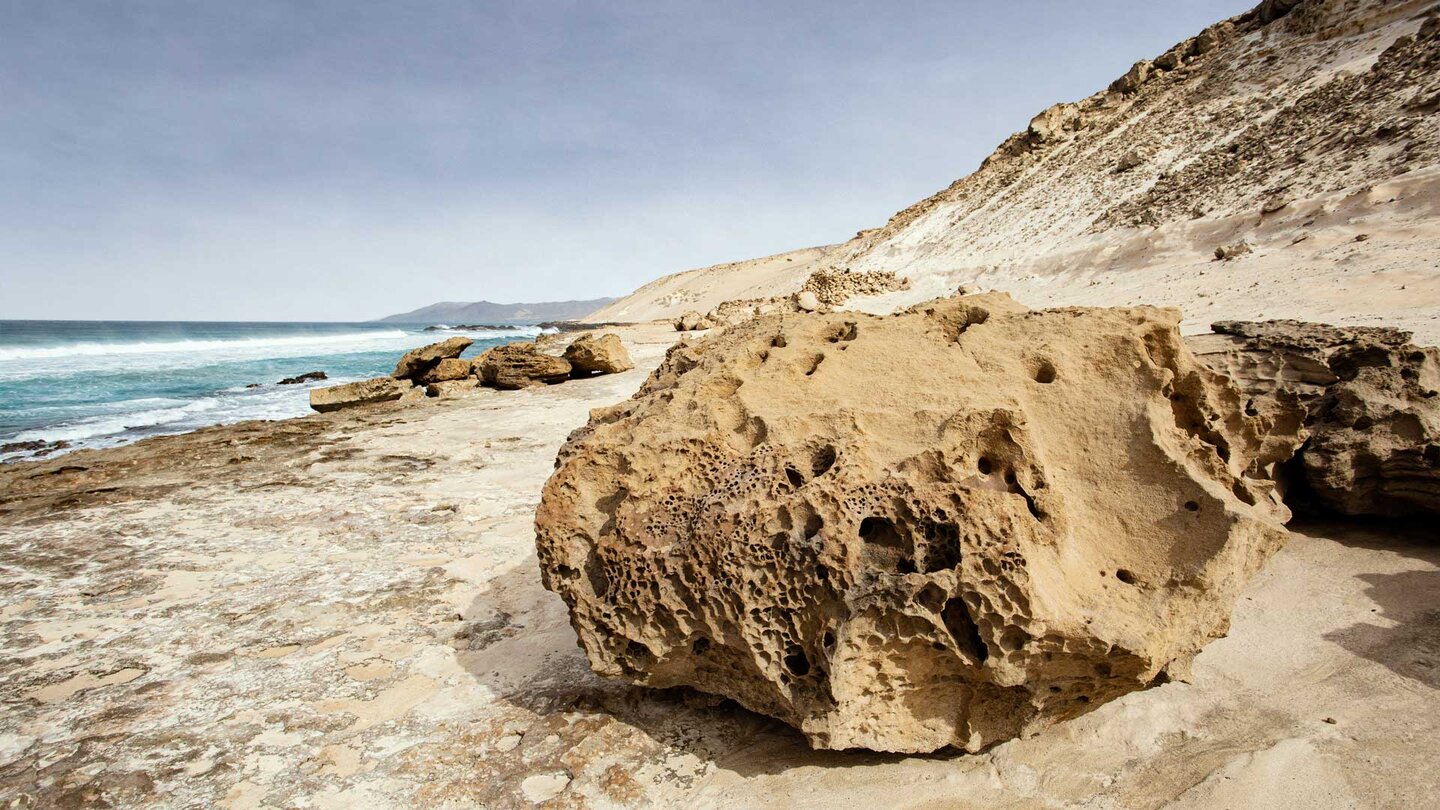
(1409, 600)
(519, 644)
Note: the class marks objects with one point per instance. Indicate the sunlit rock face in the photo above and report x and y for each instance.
(948, 526)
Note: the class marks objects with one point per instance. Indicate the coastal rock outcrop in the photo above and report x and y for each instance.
(451, 368)
(418, 361)
(1370, 401)
(949, 526)
(364, 392)
(520, 365)
(598, 355)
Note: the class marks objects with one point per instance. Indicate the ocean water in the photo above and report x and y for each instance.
(104, 383)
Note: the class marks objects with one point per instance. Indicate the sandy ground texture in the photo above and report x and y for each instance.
(345, 611)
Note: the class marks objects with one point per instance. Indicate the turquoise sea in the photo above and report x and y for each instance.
(103, 383)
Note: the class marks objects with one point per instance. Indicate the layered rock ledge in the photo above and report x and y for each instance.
(1371, 402)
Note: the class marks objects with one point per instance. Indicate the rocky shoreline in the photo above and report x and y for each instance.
(346, 609)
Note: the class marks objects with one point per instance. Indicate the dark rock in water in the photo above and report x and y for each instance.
(35, 447)
(473, 327)
(253, 385)
(303, 378)
(418, 361)
(577, 326)
(1371, 407)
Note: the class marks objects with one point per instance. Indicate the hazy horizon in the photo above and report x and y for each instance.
(332, 161)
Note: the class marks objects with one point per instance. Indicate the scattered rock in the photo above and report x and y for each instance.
(418, 361)
(807, 301)
(1273, 203)
(603, 355)
(451, 368)
(1035, 513)
(452, 388)
(543, 787)
(835, 287)
(1370, 401)
(308, 376)
(1138, 74)
(34, 447)
(1233, 250)
(364, 392)
(1128, 161)
(693, 321)
(1362, 237)
(520, 365)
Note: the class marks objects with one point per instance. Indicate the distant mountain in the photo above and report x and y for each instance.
(455, 312)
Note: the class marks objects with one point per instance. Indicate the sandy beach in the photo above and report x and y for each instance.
(344, 610)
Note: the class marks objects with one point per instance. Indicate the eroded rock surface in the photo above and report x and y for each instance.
(693, 321)
(520, 365)
(833, 287)
(364, 392)
(1371, 404)
(451, 368)
(605, 354)
(944, 527)
(418, 361)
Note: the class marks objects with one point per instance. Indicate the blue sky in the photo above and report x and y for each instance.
(346, 160)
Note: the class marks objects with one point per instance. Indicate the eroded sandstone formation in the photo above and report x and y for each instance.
(1371, 407)
(520, 365)
(417, 362)
(834, 287)
(605, 354)
(364, 392)
(943, 527)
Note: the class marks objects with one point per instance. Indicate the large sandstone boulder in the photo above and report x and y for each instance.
(451, 368)
(1371, 407)
(520, 365)
(603, 355)
(945, 527)
(364, 392)
(418, 361)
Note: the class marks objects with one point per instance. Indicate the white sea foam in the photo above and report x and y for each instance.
(266, 346)
(109, 424)
(87, 369)
(83, 358)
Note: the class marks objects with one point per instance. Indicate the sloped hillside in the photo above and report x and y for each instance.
(1306, 130)
(704, 288)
